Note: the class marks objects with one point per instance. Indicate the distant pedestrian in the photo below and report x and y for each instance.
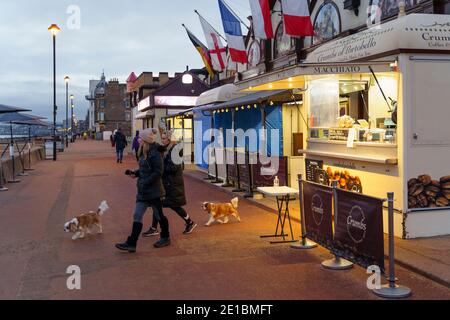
(135, 145)
(149, 191)
(173, 182)
(111, 138)
(121, 143)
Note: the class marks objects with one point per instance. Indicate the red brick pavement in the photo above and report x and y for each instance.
(219, 262)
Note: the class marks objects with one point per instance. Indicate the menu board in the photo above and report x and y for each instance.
(340, 134)
(311, 166)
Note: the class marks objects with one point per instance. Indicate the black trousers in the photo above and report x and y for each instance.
(158, 214)
(179, 210)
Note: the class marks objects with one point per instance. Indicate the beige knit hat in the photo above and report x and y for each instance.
(148, 135)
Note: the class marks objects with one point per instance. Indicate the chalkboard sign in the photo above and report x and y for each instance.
(311, 166)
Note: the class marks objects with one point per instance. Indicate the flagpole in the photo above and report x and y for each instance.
(235, 14)
(211, 26)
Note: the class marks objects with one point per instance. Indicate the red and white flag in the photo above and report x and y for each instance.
(297, 20)
(217, 51)
(262, 22)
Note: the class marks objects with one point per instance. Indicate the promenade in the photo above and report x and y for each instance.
(219, 262)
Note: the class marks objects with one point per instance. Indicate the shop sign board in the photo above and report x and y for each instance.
(413, 31)
(144, 104)
(317, 202)
(359, 229)
(171, 101)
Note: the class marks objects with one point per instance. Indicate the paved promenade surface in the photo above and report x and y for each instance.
(219, 262)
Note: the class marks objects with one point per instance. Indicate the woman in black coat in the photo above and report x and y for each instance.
(121, 143)
(173, 182)
(150, 190)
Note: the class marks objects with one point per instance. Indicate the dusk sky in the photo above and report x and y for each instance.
(117, 36)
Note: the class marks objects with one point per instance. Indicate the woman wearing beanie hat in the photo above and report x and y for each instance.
(150, 190)
(173, 182)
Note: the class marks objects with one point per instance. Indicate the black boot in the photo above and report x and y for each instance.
(163, 242)
(130, 244)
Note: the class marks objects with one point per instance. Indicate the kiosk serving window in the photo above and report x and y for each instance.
(352, 107)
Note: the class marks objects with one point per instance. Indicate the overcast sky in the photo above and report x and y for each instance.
(115, 35)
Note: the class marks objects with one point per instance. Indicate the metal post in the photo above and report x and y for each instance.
(54, 98)
(337, 263)
(23, 173)
(249, 193)
(216, 167)
(392, 290)
(66, 136)
(238, 173)
(236, 163)
(227, 176)
(29, 149)
(303, 243)
(2, 187)
(11, 154)
(71, 121)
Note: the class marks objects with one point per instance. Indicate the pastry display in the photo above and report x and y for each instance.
(424, 192)
(345, 122)
(345, 180)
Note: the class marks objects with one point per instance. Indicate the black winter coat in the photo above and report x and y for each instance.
(120, 140)
(173, 181)
(149, 183)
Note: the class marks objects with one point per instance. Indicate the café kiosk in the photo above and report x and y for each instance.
(377, 107)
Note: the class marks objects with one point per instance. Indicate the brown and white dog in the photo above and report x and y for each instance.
(84, 223)
(219, 211)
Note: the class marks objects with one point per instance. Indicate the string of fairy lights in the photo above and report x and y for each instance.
(241, 108)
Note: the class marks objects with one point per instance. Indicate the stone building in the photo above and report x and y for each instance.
(111, 107)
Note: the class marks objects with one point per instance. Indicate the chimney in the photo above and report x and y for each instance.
(163, 78)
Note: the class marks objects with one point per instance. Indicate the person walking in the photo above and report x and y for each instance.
(173, 182)
(135, 145)
(121, 143)
(111, 138)
(150, 190)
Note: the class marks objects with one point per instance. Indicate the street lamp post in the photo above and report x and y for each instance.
(67, 79)
(71, 118)
(54, 29)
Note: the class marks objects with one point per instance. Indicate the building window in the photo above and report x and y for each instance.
(101, 116)
(127, 116)
(126, 103)
(102, 104)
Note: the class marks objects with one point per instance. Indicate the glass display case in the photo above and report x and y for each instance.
(351, 109)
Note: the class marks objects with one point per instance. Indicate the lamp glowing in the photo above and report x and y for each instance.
(54, 29)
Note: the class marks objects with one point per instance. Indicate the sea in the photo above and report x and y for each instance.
(7, 136)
